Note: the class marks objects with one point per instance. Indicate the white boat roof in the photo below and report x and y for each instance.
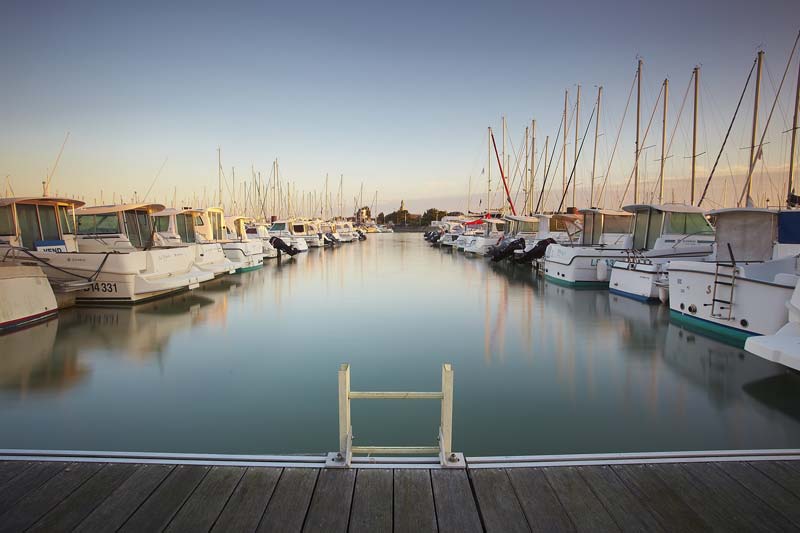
(522, 218)
(743, 210)
(235, 218)
(105, 209)
(667, 208)
(601, 211)
(169, 211)
(48, 199)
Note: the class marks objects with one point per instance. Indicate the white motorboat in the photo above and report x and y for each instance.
(259, 230)
(211, 226)
(661, 233)
(490, 234)
(744, 288)
(782, 347)
(345, 231)
(285, 230)
(107, 252)
(176, 228)
(25, 297)
(606, 238)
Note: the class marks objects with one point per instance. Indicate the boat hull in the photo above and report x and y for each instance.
(25, 297)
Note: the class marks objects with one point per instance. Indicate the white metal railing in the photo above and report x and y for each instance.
(344, 457)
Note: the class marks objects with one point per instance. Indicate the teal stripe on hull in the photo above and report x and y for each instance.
(577, 284)
(248, 269)
(726, 334)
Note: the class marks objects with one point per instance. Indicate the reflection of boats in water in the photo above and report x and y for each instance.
(780, 392)
(27, 361)
(138, 331)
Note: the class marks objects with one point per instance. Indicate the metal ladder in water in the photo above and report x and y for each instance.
(726, 279)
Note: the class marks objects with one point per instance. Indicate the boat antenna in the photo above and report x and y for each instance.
(50, 175)
(144, 198)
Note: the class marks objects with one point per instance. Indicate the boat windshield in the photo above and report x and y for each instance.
(161, 223)
(67, 221)
(98, 224)
(6, 221)
(687, 224)
(185, 222)
(298, 228)
(278, 226)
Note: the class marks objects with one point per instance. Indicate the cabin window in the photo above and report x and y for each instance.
(145, 229)
(185, 227)
(640, 229)
(617, 224)
(654, 230)
(528, 226)
(278, 226)
(132, 228)
(49, 222)
(588, 229)
(215, 219)
(106, 224)
(6, 221)
(67, 222)
(161, 223)
(687, 224)
(198, 221)
(298, 228)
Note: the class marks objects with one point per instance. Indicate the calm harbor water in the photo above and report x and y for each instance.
(248, 364)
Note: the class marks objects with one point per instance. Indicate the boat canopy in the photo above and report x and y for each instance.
(597, 222)
(750, 232)
(665, 208)
(42, 200)
(119, 208)
(169, 211)
(654, 220)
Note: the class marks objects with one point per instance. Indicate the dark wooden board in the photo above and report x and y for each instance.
(454, 502)
(586, 511)
(31, 479)
(625, 508)
(538, 501)
(372, 501)
(11, 469)
(771, 492)
(71, 511)
(413, 502)
(38, 502)
(781, 472)
(288, 506)
(497, 501)
(249, 500)
(671, 511)
(121, 504)
(207, 501)
(330, 504)
(157, 511)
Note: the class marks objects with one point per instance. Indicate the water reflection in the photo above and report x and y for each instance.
(247, 364)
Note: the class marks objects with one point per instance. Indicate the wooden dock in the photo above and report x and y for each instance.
(102, 496)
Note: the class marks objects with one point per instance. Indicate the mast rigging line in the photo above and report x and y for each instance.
(727, 134)
(549, 165)
(502, 174)
(641, 149)
(144, 198)
(575, 164)
(616, 142)
(759, 152)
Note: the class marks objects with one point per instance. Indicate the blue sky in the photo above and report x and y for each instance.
(395, 95)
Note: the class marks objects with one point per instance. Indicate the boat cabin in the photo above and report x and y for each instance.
(521, 226)
(123, 227)
(175, 227)
(209, 225)
(236, 226)
(43, 224)
(756, 234)
(658, 226)
(606, 227)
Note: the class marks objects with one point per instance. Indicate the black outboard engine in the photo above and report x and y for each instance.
(281, 246)
(537, 252)
(506, 249)
(428, 234)
(435, 238)
(331, 239)
(361, 235)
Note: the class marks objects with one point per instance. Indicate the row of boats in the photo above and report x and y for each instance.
(55, 252)
(731, 273)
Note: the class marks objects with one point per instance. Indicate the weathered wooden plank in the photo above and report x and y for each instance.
(699, 498)
(623, 506)
(11, 469)
(497, 502)
(582, 506)
(413, 502)
(455, 505)
(774, 494)
(31, 479)
(330, 504)
(538, 501)
(781, 472)
(670, 510)
(249, 500)
(71, 511)
(157, 511)
(112, 513)
(372, 501)
(205, 504)
(38, 502)
(736, 498)
(288, 506)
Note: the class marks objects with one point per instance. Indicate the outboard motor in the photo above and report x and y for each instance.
(361, 235)
(331, 239)
(506, 249)
(281, 246)
(537, 252)
(427, 235)
(435, 238)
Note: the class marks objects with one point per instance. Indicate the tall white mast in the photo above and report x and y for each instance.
(533, 166)
(219, 174)
(594, 156)
(489, 168)
(564, 148)
(794, 138)
(663, 143)
(638, 119)
(694, 132)
(755, 122)
(525, 179)
(577, 118)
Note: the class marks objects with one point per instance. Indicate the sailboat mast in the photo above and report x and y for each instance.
(489, 167)
(638, 120)
(594, 156)
(533, 167)
(564, 148)
(219, 173)
(755, 122)
(577, 118)
(694, 131)
(503, 160)
(545, 171)
(525, 175)
(790, 190)
(664, 144)
(469, 193)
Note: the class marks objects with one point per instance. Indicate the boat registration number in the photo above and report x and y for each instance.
(102, 287)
